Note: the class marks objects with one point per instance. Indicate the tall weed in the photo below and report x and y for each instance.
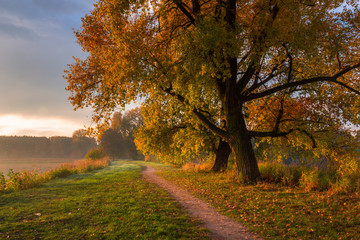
(203, 167)
(273, 172)
(348, 177)
(28, 179)
(310, 179)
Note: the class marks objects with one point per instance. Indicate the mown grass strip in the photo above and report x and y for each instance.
(112, 203)
(275, 211)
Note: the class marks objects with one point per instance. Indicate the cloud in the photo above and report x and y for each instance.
(36, 44)
(10, 30)
(63, 7)
(20, 125)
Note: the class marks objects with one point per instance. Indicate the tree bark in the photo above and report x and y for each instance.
(222, 156)
(242, 149)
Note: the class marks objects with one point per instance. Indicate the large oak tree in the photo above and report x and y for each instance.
(274, 68)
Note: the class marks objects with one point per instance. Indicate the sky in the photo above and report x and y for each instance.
(36, 44)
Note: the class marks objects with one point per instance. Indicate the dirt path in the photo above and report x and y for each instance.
(220, 227)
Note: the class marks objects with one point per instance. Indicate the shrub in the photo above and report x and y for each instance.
(19, 180)
(61, 172)
(309, 179)
(292, 175)
(2, 181)
(95, 154)
(13, 181)
(273, 172)
(348, 177)
(151, 158)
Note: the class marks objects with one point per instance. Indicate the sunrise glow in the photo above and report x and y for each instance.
(18, 125)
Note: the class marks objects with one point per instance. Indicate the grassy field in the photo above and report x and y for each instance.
(115, 203)
(112, 203)
(275, 211)
(39, 164)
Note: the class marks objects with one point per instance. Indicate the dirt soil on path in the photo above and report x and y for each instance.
(220, 227)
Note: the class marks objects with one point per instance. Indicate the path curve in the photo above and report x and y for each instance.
(220, 227)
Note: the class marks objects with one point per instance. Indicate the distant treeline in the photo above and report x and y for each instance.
(41, 147)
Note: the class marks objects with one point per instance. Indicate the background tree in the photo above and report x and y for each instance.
(126, 124)
(113, 144)
(81, 143)
(95, 154)
(42, 147)
(235, 56)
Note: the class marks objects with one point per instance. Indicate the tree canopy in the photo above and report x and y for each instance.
(278, 68)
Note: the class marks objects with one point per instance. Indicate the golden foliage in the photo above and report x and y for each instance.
(281, 68)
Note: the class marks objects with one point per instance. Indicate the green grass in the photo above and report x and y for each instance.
(273, 210)
(111, 203)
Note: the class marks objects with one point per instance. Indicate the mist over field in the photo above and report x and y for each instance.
(41, 153)
(36, 164)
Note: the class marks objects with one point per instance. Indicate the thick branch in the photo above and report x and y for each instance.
(195, 6)
(283, 134)
(280, 134)
(346, 86)
(311, 137)
(180, 5)
(267, 79)
(289, 76)
(230, 13)
(259, 41)
(269, 134)
(304, 82)
(280, 114)
(208, 124)
(245, 79)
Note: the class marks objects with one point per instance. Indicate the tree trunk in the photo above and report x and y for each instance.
(222, 155)
(242, 149)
